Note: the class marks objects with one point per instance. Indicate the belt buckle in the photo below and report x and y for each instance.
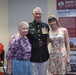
(40, 43)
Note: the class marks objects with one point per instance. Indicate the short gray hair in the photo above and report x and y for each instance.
(22, 23)
(37, 8)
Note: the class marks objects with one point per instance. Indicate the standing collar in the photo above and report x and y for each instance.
(36, 22)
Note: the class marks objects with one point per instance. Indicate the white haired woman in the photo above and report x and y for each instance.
(19, 52)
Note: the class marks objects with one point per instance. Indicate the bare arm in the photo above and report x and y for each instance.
(67, 44)
(9, 64)
(9, 55)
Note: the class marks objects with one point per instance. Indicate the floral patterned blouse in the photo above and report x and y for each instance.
(19, 48)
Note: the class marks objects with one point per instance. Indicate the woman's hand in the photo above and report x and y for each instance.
(10, 71)
(68, 60)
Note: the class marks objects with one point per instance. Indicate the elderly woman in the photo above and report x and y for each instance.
(19, 52)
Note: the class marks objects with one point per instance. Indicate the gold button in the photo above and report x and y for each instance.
(38, 31)
(38, 25)
(39, 39)
(40, 43)
(39, 35)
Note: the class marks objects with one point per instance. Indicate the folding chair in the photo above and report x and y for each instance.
(2, 60)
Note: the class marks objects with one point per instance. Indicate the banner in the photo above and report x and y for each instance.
(66, 12)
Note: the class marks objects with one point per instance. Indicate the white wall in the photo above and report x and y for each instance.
(51, 4)
(21, 10)
(4, 22)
